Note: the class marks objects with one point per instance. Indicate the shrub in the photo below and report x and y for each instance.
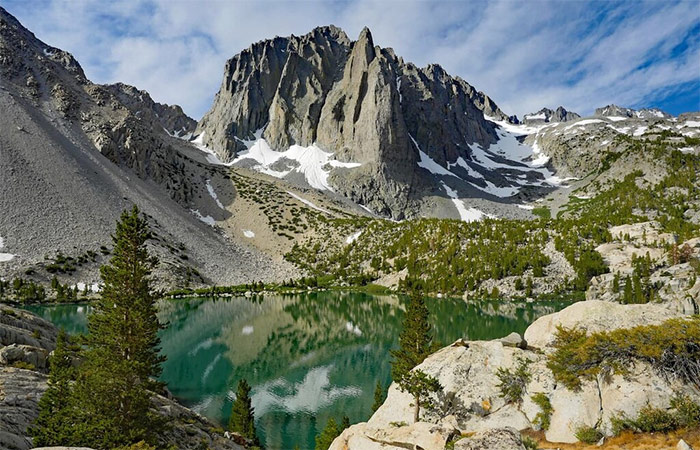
(543, 418)
(587, 434)
(684, 413)
(672, 348)
(513, 383)
(651, 420)
(687, 411)
(529, 443)
(23, 365)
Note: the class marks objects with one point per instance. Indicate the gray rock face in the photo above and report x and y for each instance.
(20, 391)
(139, 102)
(546, 115)
(356, 100)
(619, 111)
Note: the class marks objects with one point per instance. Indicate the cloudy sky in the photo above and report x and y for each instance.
(523, 54)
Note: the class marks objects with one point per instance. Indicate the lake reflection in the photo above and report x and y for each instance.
(307, 357)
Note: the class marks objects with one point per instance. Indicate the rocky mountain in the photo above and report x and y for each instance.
(644, 113)
(384, 133)
(546, 115)
(75, 154)
(171, 117)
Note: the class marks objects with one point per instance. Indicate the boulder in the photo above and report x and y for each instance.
(495, 439)
(594, 315)
(467, 371)
(513, 340)
(34, 356)
(422, 435)
(682, 445)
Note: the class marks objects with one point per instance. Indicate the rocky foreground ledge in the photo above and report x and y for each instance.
(470, 412)
(25, 344)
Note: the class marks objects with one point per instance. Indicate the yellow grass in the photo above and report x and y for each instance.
(628, 441)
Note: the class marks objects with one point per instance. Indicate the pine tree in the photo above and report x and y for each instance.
(52, 425)
(121, 363)
(345, 423)
(328, 435)
(415, 339)
(242, 419)
(378, 397)
(415, 344)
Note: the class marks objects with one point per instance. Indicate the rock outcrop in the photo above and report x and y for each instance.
(471, 400)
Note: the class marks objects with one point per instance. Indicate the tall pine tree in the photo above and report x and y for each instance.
(111, 399)
(415, 344)
(242, 419)
(53, 425)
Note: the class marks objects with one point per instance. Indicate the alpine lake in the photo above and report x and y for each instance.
(308, 357)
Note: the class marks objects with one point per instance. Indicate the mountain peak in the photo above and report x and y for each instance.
(547, 115)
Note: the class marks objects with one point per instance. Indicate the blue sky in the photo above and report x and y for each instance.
(523, 54)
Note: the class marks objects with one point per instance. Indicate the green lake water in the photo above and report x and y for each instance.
(307, 357)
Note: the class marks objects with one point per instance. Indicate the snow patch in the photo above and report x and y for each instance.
(540, 116)
(310, 162)
(616, 118)
(527, 207)
(209, 220)
(308, 203)
(465, 214)
(248, 234)
(4, 257)
(353, 237)
(584, 122)
(247, 330)
(213, 195)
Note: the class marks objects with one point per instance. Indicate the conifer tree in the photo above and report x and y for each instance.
(415, 339)
(121, 363)
(415, 344)
(53, 425)
(242, 419)
(328, 435)
(345, 423)
(378, 397)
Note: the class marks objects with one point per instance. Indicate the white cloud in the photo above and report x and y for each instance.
(524, 55)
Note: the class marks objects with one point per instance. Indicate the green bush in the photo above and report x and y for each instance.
(513, 383)
(544, 417)
(684, 413)
(23, 365)
(587, 434)
(529, 443)
(672, 348)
